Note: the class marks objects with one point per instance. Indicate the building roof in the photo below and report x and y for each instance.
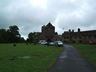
(49, 24)
(89, 31)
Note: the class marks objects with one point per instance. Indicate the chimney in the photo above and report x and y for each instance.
(78, 29)
(69, 30)
(73, 30)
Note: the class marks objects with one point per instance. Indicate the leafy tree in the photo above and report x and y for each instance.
(21, 40)
(11, 35)
(33, 37)
(30, 37)
(13, 32)
(3, 36)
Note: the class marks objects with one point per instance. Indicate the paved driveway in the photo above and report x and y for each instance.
(70, 60)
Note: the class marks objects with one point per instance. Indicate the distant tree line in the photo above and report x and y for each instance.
(11, 35)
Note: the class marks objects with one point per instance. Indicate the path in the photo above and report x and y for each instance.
(70, 60)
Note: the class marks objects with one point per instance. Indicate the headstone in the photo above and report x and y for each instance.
(14, 44)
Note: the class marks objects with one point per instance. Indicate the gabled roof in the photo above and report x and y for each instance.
(49, 24)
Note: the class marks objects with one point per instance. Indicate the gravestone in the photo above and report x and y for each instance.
(14, 44)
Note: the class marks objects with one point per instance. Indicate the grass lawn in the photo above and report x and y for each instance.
(27, 58)
(88, 51)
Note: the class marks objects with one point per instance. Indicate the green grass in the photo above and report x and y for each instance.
(41, 57)
(88, 51)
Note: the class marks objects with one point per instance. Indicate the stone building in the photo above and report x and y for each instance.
(48, 33)
(79, 37)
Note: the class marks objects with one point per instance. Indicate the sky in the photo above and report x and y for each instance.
(31, 15)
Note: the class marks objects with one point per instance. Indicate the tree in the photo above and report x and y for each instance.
(13, 32)
(34, 37)
(31, 37)
(3, 36)
(22, 40)
(11, 35)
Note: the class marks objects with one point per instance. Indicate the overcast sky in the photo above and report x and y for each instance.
(31, 15)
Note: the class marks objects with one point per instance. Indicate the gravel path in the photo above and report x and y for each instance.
(70, 60)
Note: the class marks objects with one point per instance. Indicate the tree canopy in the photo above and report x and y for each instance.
(10, 35)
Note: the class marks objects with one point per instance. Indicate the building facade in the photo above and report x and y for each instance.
(48, 33)
(79, 37)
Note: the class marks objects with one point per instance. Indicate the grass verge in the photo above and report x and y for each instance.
(27, 58)
(88, 51)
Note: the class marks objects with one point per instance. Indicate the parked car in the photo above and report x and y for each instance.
(51, 43)
(43, 43)
(93, 42)
(59, 43)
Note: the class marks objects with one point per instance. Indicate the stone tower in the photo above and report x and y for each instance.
(48, 32)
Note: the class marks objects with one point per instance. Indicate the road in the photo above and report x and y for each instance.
(70, 60)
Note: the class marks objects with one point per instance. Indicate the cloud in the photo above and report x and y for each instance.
(30, 15)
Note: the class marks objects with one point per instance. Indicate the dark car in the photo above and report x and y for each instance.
(93, 42)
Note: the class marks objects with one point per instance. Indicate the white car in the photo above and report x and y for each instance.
(59, 43)
(51, 43)
(43, 43)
